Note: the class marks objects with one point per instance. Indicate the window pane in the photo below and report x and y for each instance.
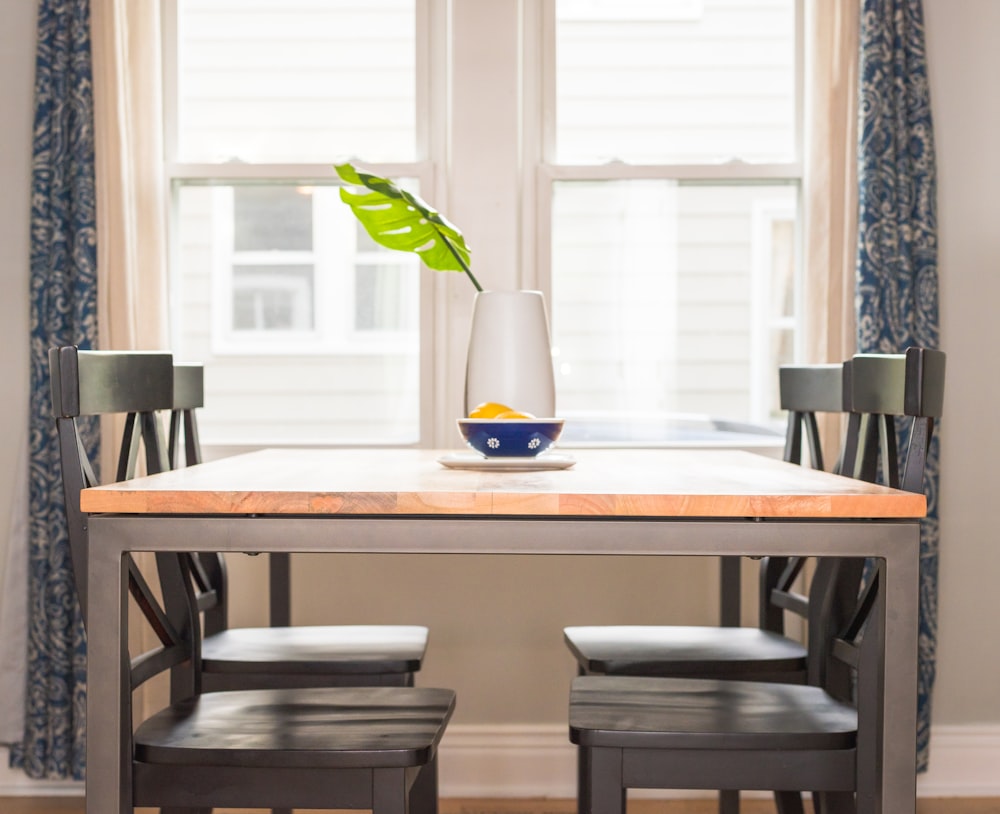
(272, 81)
(272, 218)
(662, 296)
(379, 299)
(675, 81)
(303, 340)
(272, 298)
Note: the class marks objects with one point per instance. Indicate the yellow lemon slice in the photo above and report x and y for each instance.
(513, 414)
(489, 409)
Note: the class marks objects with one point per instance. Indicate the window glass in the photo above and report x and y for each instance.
(308, 331)
(665, 295)
(272, 81)
(676, 209)
(269, 218)
(315, 339)
(675, 81)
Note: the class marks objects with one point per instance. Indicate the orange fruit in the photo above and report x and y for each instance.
(489, 409)
(513, 414)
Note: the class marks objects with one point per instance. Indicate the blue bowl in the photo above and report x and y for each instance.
(510, 438)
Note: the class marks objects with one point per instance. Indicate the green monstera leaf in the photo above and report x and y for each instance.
(398, 219)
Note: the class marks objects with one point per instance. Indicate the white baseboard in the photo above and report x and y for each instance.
(538, 761)
(15, 783)
(963, 762)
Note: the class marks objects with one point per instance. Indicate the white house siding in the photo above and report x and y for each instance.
(661, 326)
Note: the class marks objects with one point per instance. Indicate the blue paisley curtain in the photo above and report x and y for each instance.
(897, 289)
(63, 311)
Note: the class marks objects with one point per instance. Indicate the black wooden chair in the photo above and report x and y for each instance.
(872, 389)
(270, 657)
(702, 733)
(763, 652)
(369, 748)
(881, 387)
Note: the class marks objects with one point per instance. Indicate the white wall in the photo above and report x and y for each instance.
(505, 681)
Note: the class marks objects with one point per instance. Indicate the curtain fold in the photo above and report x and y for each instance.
(831, 179)
(131, 197)
(831, 187)
(897, 277)
(63, 310)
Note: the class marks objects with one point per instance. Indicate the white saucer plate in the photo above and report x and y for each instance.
(472, 460)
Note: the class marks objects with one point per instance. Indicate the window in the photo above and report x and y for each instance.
(309, 332)
(673, 188)
(636, 160)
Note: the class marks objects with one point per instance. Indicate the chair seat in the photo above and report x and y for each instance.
(667, 650)
(365, 727)
(684, 713)
(316, 650)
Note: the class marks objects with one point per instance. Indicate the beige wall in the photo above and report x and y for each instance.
(17, 36)
(964, 64)
(497, 637)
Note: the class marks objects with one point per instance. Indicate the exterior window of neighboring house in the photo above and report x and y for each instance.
(309, 331)
(673, 178)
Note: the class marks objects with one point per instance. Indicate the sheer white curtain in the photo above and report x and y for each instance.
(131, 256)
(131, 210)
(131, 204)
(831, 184)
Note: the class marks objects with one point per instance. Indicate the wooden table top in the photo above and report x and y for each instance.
(603, 482)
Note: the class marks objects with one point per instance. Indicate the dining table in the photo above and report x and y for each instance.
(608, 502)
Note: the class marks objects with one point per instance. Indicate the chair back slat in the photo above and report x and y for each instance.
(189, 395)
(115, 382)
(207, 569)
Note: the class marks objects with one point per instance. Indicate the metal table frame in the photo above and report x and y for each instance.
(894, 543)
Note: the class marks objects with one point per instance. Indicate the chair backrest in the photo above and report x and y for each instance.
(88, 384)
(138, 385)
(886, 386)
(877, 389)
(804, 391)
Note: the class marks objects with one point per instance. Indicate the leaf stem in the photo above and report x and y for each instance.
(461, 262)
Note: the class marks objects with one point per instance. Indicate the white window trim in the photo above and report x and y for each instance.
(765, 213)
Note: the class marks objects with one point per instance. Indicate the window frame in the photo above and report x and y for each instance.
(431, 56)
(540, 118)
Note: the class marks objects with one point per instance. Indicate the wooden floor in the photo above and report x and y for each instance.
(956, 805)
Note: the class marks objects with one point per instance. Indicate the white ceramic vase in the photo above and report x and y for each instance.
(510, 353)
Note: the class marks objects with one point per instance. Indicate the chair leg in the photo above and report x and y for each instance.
(389, 793)
(788, 802)
(729, 802)
(599, 781)
(834, 802)
(424, 791)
